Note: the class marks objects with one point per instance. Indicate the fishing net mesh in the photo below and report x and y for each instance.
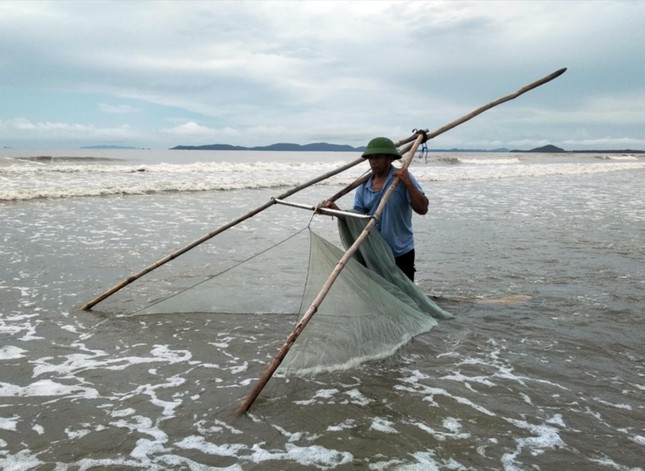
(370, 310)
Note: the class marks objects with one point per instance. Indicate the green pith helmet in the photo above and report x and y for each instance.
(381, 146)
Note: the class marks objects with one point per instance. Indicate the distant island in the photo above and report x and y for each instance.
(551, 149)
(325, 147)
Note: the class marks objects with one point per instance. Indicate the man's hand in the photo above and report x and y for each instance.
(403, 175)
(326, 204)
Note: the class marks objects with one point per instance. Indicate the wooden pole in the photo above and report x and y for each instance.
(88, 306)
(421, 137)
(324, 290)
(212, 234)
(499, 101)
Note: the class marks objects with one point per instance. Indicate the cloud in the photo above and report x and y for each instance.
(23, 128)
(191, 133)
(338, 71)
(117, 109)
(192, 129)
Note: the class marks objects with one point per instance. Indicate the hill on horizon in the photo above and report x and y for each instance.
(326, 147)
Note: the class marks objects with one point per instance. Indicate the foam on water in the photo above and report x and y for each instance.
(628, 157)
(542, 365)
(64, 178)
(8, 423)
(480, 161)
(544, 437)
(10, 352)
(46, 388)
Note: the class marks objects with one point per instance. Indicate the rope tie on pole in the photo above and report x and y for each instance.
(422, 132)
(423, 148)
(423, 151)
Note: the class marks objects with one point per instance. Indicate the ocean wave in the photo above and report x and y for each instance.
(453, 160)
(26, 182)
(20, 181)
(626, 157)
(160, 168)
(507, 161)
(56, 159)
(450, 160)
(490, 172)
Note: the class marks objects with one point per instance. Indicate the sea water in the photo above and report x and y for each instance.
(540, 257)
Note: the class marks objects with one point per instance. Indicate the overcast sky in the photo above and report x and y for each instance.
(159, 74)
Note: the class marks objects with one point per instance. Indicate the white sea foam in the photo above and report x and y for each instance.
(23, 180)
(627, 157)
(8, 423)
(425, 461)
(507, 161)
(346, 425)
(199, 443)
(20, 324)
(122, 412)
(77, 362)
(22, 460)
(611, 464)
(168, 407)
(356, 397)
(314, 455)
(452, 425)
(47, 388)
(430, 392)
(479, 172)
(611, 404)
(383, 425)
(326, 393)
(458, 376)
(544, 436)
(9, 352)
(75, 434)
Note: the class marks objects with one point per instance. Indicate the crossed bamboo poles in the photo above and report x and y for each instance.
(407, 148)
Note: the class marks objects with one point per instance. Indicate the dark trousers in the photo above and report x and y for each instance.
(406, 263)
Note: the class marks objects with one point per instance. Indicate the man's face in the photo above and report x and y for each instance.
(379, 163)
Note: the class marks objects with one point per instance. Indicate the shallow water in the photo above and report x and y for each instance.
(542, 368)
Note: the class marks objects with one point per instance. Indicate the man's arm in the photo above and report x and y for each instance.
(419, 202)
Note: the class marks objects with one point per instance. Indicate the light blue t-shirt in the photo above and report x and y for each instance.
(395, 223)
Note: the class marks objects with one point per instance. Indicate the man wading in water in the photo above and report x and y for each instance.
(395, 223)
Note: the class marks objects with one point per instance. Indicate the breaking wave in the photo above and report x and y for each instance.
(63, 177)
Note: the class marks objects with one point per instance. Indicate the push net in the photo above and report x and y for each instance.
(370, 311)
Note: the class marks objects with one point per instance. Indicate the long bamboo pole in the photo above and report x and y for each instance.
(212, 234)
(88, 306)
(324, 290)
(449, 126)
(418, 138)
(499, 101)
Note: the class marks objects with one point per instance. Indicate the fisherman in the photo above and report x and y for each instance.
(395, 223)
